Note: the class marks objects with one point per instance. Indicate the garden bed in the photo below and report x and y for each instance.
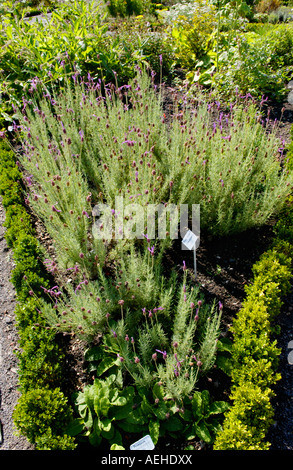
(128, 342)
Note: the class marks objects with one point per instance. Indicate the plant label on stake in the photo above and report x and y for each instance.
(145, 443)
(189, 241)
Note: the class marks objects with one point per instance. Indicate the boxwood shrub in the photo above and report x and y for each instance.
(42, 412)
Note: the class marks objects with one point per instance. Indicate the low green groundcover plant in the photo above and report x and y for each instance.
(107, 412)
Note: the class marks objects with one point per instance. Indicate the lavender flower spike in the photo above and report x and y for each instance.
(152, 250)
(161, 352)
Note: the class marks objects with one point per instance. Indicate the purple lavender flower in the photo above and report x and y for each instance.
(29, 180)
(152, 250)
(130, 143)
(81, 135)
(162, 352)
(147, 238)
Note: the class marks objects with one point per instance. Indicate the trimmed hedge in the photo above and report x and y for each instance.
(42, 404)
(255, 354)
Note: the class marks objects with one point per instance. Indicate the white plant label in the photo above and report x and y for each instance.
(190, 240)
(145, 443)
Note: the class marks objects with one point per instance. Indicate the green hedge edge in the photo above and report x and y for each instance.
(42, 412)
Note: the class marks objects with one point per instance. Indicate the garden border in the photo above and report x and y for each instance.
(274, 268)
(41, 358)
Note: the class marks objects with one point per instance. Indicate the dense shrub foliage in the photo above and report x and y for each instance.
(40, 360)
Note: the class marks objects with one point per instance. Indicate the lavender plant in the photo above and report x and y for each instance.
(117, 141)
(90, 142)
(88, 307)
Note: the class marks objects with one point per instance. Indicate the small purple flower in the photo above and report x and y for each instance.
(54, 209)
(81, 135)
(184, 266)
(130, 143)
(114, 333)
(162, 352)
(29, 180)
(152, 250)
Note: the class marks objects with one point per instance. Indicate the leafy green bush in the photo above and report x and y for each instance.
(77, 38)
(105, 410)
(17, 220)
(40, 360)
(42, 415)
(255, 354)
(247, 422)
(28, 274)
(191, 28)
(127, 7)
(280, 45)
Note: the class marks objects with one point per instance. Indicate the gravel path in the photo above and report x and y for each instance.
(8, 343)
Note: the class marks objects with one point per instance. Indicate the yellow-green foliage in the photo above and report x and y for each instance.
(193, 36)
(255, 354)
(41, 415)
